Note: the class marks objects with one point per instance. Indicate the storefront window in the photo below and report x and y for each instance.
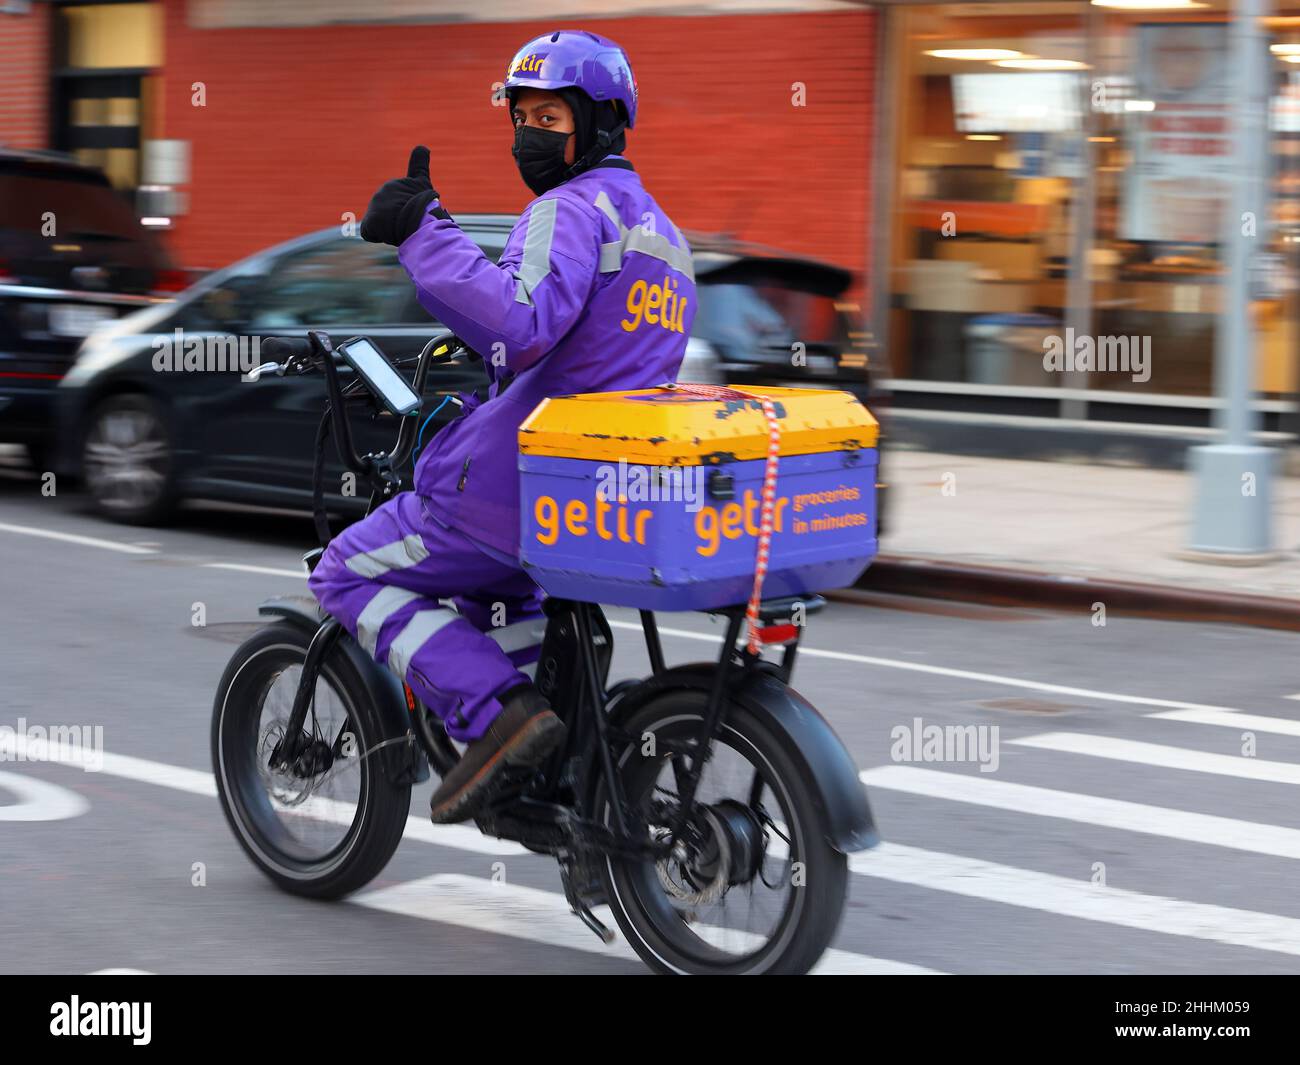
(1019, 132)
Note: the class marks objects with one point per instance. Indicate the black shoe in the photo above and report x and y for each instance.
(523, 734)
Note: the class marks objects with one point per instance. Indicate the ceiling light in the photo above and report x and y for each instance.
(975, 53)
(1149, 5)
(1040, 64)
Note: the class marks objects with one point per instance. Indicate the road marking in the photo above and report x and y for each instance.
(929, 869)
(544, 917)
(459, 837)
(810, 652)
(1065, 897)
(1255, 722)
(73, 538)
(268, 570)
(960, 674)
(39, 800)
(868, 660)
(1228, 765)
(547, 914)
(117, 765)
(201, 782)
(1088, 809)
(1296, 696)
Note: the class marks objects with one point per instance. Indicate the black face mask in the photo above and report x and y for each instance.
(539, 154)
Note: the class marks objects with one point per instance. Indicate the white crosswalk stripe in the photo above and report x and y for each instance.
(1060, 895)
(1282, 726)
(1046, 892)
(1156, 754)
(544, 917)
(1088, 809)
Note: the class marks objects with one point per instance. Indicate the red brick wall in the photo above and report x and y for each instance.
(25, 78)
(302, 124)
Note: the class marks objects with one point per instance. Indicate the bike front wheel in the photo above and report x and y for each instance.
(327, 825)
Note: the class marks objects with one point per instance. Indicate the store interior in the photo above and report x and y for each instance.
(1020, 126)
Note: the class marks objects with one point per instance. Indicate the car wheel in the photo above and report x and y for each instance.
(127, 461)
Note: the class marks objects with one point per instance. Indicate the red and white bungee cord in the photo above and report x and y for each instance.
(757, 635)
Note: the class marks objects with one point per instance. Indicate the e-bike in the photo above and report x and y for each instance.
(708, 806)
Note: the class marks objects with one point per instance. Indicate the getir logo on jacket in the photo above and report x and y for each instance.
(659, 305)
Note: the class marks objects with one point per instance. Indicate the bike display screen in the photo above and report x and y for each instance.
(380, 374)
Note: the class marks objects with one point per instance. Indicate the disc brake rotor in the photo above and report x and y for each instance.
(697, 875)
(283, 786)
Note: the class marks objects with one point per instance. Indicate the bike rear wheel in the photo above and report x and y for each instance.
(329, 825)
(756, 888)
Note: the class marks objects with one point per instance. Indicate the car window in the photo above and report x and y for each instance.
(343, 282)
(766, 314)
(84, 208)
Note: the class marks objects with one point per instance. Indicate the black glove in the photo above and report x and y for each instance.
(398, 208)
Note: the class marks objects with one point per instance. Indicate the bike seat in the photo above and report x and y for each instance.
(770, 610)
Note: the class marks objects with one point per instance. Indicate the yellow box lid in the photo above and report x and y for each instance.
(667, 427)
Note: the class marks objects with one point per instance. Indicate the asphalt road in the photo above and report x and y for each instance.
(1119, 757)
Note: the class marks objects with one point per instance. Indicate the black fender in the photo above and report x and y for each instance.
(816, 748)
(403, 763)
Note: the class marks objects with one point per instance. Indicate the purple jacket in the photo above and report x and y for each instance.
(595, 292)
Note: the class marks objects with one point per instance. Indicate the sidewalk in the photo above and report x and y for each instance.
(1061, 520)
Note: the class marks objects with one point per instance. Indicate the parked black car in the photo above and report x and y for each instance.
(144, 436)
(72, 257)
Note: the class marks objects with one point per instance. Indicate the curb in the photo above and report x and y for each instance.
(997, 586)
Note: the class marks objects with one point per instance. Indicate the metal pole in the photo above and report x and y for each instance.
(880, 217)
(1235, 343)
(1078, 285)
(1232, 516)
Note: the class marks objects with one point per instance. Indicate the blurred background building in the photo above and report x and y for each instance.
(994, 173)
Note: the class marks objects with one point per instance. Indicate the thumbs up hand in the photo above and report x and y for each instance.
(399, 206)
(417, 169)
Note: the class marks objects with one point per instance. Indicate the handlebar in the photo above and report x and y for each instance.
(289, 348)
(317, 351)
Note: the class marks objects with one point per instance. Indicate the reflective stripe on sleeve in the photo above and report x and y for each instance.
(638, 239)
(536, 263)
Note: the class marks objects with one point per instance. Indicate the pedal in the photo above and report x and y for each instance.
(580, 907)
(540, 826)
(584, 878)
(522, 807)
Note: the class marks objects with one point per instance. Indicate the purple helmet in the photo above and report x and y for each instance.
(577, 59)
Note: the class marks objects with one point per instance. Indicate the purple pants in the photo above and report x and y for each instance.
(454, 622)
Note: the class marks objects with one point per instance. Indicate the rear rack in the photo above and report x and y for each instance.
(783, 623)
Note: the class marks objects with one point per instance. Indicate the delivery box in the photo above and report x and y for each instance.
(653, 498)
